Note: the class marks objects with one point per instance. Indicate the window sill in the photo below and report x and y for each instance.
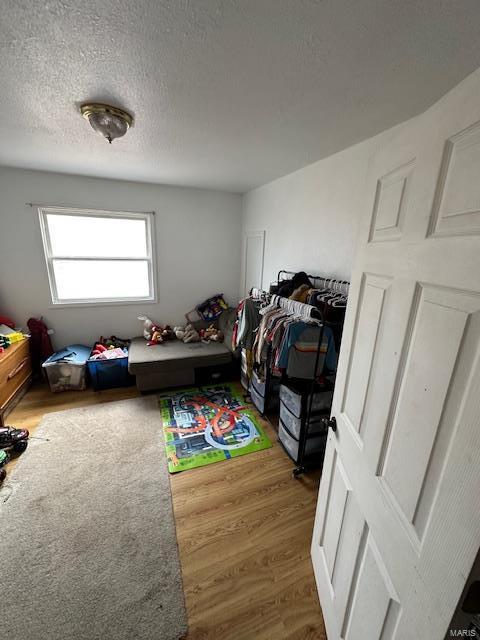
(101, 303)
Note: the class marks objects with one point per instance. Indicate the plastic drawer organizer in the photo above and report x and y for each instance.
(257, 399)
(264, 395)
(296, 400)
(294, 421)
(294, 424)
(259, 384)
(315, 445)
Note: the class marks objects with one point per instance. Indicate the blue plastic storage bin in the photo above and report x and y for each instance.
(108, 374)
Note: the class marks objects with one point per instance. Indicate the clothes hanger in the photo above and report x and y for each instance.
(338, 301)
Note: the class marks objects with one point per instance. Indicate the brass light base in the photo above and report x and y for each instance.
(97, 107)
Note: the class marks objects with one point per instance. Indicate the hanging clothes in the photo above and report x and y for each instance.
(245, 330)
(283, 335)
(268, 327)
(332, 305)
(290, 344)
(40, 343)
(248, 321)
(298, 353)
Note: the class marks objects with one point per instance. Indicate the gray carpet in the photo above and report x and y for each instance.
(87, 535)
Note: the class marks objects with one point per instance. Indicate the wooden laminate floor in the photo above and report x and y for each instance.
(244, 529)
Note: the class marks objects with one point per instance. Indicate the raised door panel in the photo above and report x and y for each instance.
(391, 201)
(426, 399)
(336, 545)
(350, 540)
(456, 209)
(336, 503)
(374, 608)
(365, 336)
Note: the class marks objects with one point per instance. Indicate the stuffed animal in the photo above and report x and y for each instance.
(179, 332)
(98, 349)
(114, 343)
(148, 327)
(301, 293)
(156, 337)
(161, 334)
(155, 333)
(191, 334)
(211, 334)
(167, 333)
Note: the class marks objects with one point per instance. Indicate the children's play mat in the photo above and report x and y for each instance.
(204, 425)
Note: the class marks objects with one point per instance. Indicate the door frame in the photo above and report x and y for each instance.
(255, 233)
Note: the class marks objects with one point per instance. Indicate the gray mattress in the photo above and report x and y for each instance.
(174, 355)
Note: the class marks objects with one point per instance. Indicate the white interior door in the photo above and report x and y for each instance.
(254, 246)
(397, 527)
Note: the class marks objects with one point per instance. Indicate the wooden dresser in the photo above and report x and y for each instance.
(15, 376)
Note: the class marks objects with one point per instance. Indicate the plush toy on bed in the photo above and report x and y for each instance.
(187, 334)
(179, 332)
(155, 333)
(191, 334)
(156, 338)
(148, 327)
(211, 334)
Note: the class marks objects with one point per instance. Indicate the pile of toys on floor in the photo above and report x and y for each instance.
(12, 441)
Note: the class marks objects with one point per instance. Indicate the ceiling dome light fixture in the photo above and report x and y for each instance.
(109, 122)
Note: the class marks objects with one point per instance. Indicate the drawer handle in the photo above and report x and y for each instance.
(17, 369)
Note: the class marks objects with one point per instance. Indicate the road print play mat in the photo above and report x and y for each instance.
(203, 425)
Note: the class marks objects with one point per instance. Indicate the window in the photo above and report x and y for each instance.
(98, 256)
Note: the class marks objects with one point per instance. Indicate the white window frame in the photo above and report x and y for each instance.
(148, 217)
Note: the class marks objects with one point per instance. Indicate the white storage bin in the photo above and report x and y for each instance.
(66, 369)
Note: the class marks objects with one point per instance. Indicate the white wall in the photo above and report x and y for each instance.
(311, 216)
(197, 244)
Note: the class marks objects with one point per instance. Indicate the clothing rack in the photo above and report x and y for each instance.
(260, 294)
(300, 309)
(322, 282)
(301, 468)
(341, 286)
(307, 313)
(311, 314)
(265, 297)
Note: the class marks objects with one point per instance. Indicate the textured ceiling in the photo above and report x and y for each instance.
(226, 93)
